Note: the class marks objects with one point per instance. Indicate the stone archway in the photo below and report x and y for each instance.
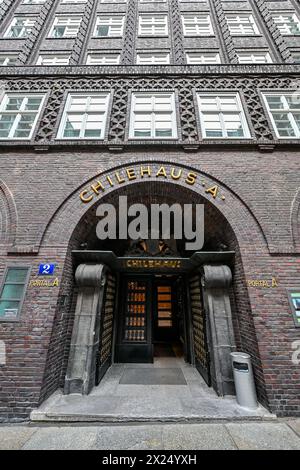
(64, 221)
(229, 215)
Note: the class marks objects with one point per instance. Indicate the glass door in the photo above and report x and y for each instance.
(134, 335)
(135, 318)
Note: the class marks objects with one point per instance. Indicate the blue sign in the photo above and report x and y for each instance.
(46, 269)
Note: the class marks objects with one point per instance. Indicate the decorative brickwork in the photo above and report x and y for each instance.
(279, 40)
(4, 8)
(84, 29)
(185, 86)
(130, 32)
(8, 216)
(176, 32)
(217, 8)
(295, 221)
(33, 38)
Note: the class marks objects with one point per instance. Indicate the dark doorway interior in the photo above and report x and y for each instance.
(152, 322)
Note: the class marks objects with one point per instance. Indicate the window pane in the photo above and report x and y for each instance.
(73, 126)
(85, 116)
(12, 291)
(297, 120)
(283, 125)
(6, 122)
(141, 133)
(14, 104)
(8, 309)
(275, 102)
(16, 275)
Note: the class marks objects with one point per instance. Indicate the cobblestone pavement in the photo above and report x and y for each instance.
(280, 434)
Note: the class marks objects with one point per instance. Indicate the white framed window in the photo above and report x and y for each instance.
(103, 59)
(287, 23)
(194, 58)
(152, 58)
(48, 59)
(65, 27)
(254, 57)
(19, 114)
(109, 26)
(12, 292)
(222, 116)
(242, 25)
(197, 24)
(84, 116)
(20, 27)
(284, 111)
(153, 25)
(153, 116)
(8, 59)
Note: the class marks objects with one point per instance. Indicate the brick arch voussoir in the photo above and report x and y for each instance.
(8, 216)
(243, 222)
(295, 221)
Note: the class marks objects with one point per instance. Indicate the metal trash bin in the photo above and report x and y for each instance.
(244, 380)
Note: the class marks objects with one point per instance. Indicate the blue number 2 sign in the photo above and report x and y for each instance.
(46, 269)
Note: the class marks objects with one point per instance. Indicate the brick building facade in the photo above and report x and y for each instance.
(165, 101)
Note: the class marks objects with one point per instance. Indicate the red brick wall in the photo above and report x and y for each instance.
(259, 191)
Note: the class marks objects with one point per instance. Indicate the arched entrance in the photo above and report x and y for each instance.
(86, 327)
(140, 299)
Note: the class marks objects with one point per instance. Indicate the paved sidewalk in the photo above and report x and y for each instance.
(283, 435)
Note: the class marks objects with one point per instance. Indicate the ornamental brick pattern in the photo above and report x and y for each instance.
(217, 9)
(177, 32)
(84, 29)
(4, 8)
(275, 32)
(130, 32)
(38, 28)
(249, 88)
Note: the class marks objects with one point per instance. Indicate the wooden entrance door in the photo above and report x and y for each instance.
(104, 356)
(199, 328)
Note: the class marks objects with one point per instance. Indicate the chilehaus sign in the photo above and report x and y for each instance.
(163, 172)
